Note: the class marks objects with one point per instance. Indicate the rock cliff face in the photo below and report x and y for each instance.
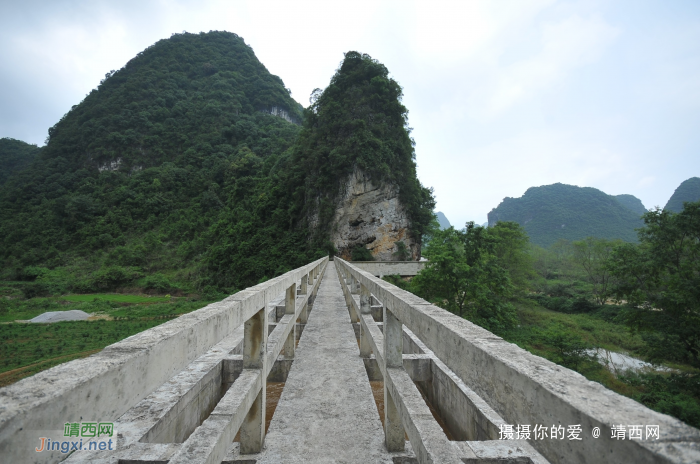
(372, 217)
(281, 113)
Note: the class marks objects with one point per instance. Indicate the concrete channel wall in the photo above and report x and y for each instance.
(478, 382)
(160, 385)
(382, 268)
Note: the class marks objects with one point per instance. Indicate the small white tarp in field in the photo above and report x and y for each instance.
(58, 316)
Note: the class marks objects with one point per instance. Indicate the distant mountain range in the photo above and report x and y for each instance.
(559, 211)
(444, 223)
(632, 203)
(689, 190)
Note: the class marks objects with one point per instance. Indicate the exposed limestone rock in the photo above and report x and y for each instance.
(373, 217)
(282, 113)
(110, 165)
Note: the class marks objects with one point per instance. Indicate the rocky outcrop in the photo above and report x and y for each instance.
(282, 113)
(373, 217)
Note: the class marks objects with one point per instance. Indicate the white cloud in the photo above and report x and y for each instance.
(565, 46)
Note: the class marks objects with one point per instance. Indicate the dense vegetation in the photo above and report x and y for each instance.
(574, 301)
(134, 179)
(660, 280)
(357, 122)
(689, 190)
(172, 175)
(467, 273)
(15, 155)
(552, 212)
(632, 203)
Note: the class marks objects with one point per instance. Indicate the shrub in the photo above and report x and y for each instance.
(360, 253)
(402, 252)
(159, 283)
(114, 276)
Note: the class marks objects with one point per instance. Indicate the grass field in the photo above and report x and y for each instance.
(116, 297)
(26, 348)
(564, 339)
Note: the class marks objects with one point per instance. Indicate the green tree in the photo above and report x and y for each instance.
(402, 252)
(463, 276)
(592, 255)
(511, 251)
(660, 279)
(360, 253)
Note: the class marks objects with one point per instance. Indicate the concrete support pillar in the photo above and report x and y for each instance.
(393, 357)
(304, 316)
(365, 347)
(310, 286)
(303, 289)
(254, 357)
(290, 303)
(393, 430)
(354, 317)
(353, 285)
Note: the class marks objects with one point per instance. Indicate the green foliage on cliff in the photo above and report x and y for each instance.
(553, 212)
(357, 122)
(689, 190)
(15, 155)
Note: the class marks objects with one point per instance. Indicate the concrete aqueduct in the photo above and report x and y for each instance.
(195, 389)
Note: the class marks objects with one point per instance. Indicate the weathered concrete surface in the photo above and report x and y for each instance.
(526, 389)
(326, 413)
(382, 268)
(107, 384)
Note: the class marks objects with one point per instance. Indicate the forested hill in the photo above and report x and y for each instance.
(552, 212)
(15, 155)
(689, 190)
(357, 122)
(178, 94)
(632, 203)
(192, 168)
(133, 177)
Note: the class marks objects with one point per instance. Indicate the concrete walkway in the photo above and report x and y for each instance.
(326, 413)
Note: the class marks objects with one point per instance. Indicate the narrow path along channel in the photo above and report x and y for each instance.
(326, 413)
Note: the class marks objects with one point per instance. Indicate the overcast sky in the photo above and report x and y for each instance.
(502, 95)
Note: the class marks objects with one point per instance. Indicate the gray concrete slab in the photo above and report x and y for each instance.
(326, 413)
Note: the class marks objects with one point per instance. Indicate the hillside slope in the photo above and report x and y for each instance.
(133, 177)
(356, 128)
(15, 155)
(632, 203)
(189, 168)
(443, 221)
(559, 211)
(689, 190)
